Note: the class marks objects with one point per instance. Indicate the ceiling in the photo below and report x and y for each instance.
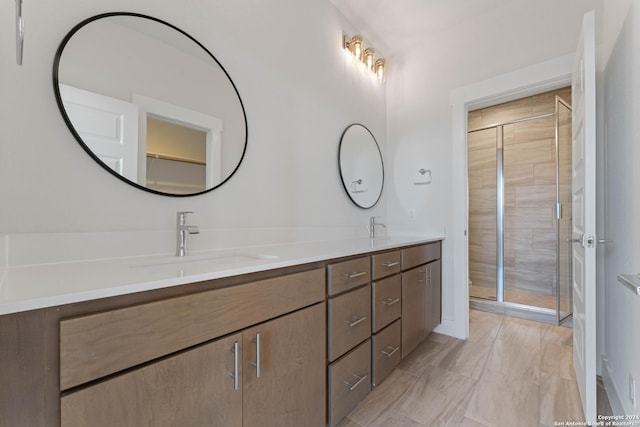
(541, 27)
(393, 22)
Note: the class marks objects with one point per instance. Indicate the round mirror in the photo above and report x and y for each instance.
(150, 104)
(361, 167)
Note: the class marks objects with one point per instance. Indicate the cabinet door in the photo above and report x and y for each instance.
(285, 372)
(414, 287)
(434, 296)
(195, 388)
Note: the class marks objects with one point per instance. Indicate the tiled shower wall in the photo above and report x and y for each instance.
(530, 194)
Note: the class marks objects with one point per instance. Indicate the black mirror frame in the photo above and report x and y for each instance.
(342, 180)
(56, 89)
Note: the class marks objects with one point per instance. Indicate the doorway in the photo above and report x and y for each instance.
(519, 183)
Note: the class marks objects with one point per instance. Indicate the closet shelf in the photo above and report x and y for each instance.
(175, 158)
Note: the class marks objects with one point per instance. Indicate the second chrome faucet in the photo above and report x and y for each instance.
(372, 226)
(183, 230)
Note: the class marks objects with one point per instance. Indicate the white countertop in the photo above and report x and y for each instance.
(32, 287)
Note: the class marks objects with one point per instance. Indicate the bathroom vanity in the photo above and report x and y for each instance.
(282, 341)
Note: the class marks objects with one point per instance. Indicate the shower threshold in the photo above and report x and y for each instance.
(538, 314)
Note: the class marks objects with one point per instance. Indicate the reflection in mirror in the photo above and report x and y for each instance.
(361, 167)
(150, 104)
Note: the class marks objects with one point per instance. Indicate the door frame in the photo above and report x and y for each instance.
(546, 76)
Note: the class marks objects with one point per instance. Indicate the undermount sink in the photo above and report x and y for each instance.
(209, 259)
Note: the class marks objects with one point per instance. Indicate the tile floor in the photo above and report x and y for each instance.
(511, 372)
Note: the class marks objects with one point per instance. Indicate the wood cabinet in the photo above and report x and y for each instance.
(268, 375)
(414, 298)
(385, 347)
(163, 362)
(433, 308)
(194, 388)
(167, 357)
(385, 264)
(386, 301)
(284, 377)
(349, 321)
(348, 275)
(349, 382)
(421, 294)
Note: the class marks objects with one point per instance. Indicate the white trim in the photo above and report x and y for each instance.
(183, 116)
(521, 83)
(617, 407)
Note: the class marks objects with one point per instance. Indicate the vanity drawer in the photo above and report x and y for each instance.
(349, 321)
(100, 344)
(419, 255)
(348, 274)
(386, 352)
(387, 307)
(385, 264)
(349, 382)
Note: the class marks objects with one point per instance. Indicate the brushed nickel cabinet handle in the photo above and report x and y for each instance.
(256, 364)
(357, 383)
(356, 274)
(235, 374)
(356, 320)
(391, 263)
(390, 353)
(390, 301)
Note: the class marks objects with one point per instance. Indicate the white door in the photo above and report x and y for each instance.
(584, 217)
(108, 126)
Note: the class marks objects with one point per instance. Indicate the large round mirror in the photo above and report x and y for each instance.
(150, 104)
(361, 167)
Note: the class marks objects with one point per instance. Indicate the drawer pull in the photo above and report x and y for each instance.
(356, 274)
(390, 353)
(355, 321)
(357, 383)
(390, 301)
(236, 372)
(391, 263)
(256, 364)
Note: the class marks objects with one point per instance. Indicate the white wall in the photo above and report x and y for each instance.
(622, 201)
(298, 88)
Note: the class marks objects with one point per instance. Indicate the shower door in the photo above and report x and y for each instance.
(519, 178)
(564, 209)
(530, 212)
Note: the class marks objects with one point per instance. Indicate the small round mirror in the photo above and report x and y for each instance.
(361, 167)
(150, 104)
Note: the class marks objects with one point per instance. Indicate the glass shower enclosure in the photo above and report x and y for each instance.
(519, 178)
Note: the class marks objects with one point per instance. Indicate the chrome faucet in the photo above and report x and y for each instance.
(372, 226)
(183, 231)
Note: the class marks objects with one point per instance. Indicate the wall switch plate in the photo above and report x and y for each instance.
(412, 214)
(632, 390)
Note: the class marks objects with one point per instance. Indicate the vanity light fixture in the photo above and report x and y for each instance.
(355, 46)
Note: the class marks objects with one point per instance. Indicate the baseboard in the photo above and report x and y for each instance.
(612, 393)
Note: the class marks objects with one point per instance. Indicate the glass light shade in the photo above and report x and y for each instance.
(356, 46)
(380, 69)
(368, 58)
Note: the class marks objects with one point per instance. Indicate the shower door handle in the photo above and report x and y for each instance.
(574, 240)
